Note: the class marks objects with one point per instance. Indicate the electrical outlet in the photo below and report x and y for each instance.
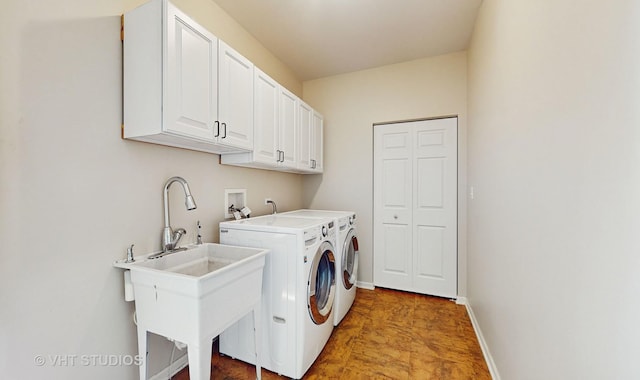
(267, 200)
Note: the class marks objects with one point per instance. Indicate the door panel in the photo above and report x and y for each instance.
(430, 173)
(394, 266)
(396, 242)
(395, 171)
(430, 251)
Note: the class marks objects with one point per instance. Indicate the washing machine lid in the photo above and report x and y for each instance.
(276, 222)
(306, 213)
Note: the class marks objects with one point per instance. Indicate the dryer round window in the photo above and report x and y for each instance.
(321, 286)
(350, 260)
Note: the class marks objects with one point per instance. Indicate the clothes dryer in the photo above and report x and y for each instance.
(347, 255)
(298, 291)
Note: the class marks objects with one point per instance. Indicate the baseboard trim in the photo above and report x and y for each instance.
(493, 370)
(176, 367)
(365, 285)
(462, 301)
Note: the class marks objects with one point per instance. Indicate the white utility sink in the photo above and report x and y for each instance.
(193, 295)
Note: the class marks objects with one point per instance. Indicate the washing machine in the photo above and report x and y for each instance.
(346, 259)
(298, 291)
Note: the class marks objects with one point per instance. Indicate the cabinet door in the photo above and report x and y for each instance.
(265, 131)
(317, 153)
(287, 142)
(189, 101)
(305, 134)
(235, 98)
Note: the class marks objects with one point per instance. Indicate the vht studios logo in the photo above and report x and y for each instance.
(96, 360)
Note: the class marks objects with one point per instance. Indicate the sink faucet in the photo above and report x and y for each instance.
(171, 238)
(274, 209)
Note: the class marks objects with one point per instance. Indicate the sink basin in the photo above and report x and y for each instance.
(194, 271)
(193, 295)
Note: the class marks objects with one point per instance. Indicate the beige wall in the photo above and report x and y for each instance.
(73, 195)
(351, 104)
(554, 153)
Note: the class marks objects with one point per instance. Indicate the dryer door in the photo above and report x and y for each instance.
(321, 286)
(350, 260)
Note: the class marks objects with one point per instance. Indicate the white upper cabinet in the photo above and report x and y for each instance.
(288, 144)
(285, 136)
(274, 113)
(266, 120)
(235, 98)
(310, 130)
(305, 133)
(190, 93)
(182, 86)
(317, 165)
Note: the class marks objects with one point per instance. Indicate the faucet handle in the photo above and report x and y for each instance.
(130, 258)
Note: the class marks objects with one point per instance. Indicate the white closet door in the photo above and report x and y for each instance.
(393, 171)
(415, 206)
(435, 207)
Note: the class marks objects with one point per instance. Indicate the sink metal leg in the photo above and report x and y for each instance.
(142, 351)
(200, 360)
(257, 335)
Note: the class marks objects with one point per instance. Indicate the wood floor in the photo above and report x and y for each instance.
(387, 334)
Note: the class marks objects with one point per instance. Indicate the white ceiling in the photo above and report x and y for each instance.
(318, 38)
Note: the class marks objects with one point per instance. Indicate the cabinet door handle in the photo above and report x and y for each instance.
(278, 157)
(217, 128)
(282, 153)
(224, 125)
(313, 164)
